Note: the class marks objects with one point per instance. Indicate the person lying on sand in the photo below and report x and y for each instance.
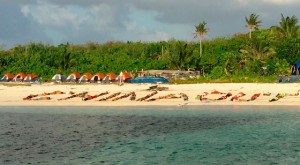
(122, 97)
(169, 96)
(236, 97)
(53, 93)
(30, 97)
(133, 96)
(217, 92)
(111, 96)
(184, 96)
(296, 94)
(147, 96)
(224, 97)
(74, 95)
(278, 96)
(204, 99)
(253, 97)
(89, 97)
(42, 98)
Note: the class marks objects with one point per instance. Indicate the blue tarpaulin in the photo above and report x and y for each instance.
(149, 80)
(297, 65)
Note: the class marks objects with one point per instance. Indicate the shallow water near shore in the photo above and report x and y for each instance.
(150, 135)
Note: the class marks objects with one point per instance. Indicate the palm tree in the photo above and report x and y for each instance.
(201, 31)
(179, 54)
(258, 49)
(252, 23)
(287, 28)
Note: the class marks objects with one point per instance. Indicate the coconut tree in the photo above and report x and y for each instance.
(252, 23)
(287, 28)
(201, 31)
(258, 49)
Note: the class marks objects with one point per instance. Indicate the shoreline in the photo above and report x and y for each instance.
(13, 95)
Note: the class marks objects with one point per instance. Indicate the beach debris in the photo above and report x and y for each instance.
(74, 95)
(147, 96)
(89, 97)
(111, 96)
(184, 96)
(123, 96)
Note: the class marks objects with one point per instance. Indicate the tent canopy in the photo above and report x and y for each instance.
(85, 77)
(111, 76)
(74, 76)
(58, 78)
(20, 76)
(30, 77)
(97, 77)
(125, 75)
(7, 77)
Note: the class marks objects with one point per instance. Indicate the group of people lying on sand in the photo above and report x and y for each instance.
(204, 97)
(113, 97)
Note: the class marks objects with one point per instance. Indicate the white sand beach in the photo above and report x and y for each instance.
(12, 95)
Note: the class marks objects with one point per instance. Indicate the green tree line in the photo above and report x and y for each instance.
(259, 53)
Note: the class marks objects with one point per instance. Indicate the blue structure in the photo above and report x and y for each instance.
(297, 66)
(148, 80)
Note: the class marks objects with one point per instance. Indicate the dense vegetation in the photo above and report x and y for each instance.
(264, 55)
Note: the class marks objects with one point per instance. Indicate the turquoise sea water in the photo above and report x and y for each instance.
(150, 135)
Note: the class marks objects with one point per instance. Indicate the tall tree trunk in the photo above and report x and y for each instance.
(200, 48)
(250, 32)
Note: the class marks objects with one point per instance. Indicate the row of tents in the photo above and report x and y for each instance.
(88, 77)
(85, 78)
(73, 77)
(20, 77)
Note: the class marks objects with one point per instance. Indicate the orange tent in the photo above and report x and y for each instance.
(100, 75)
(30, 77)
(125, 75)
(74, 76)
(111, 76)
(97, 77)
(19, 77)
(85, 77)
(7, 77)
